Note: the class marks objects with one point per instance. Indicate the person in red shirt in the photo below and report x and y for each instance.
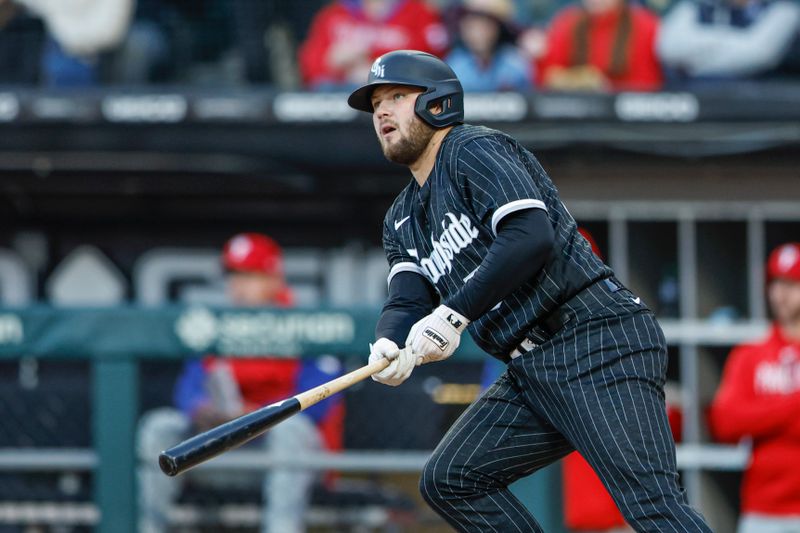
(213, 389)
(348, 35)
(759, 399)
(602, 45)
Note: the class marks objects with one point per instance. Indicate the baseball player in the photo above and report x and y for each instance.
(759, 399)
(479, 240)
(214, 389)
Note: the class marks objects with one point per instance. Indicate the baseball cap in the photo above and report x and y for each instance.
(252, 252)
(784, 262)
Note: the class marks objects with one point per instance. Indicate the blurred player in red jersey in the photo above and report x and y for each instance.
(213, 390)
(759, 399)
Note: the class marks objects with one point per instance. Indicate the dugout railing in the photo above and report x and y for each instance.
(115, 340)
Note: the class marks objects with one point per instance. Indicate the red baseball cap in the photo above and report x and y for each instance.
(784, 262)
(252, 252)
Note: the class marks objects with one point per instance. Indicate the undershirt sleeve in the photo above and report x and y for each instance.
(523, 245)
(411, 297)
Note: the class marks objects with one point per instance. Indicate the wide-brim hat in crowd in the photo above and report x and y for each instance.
(501, 11)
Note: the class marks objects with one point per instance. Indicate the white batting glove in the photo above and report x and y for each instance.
(399, 369)
(436, 336)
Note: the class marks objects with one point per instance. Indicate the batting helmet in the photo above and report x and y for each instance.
(784, 262)
(252, 252)
(417, 69)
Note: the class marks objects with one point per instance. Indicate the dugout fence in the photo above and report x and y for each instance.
(112, 344)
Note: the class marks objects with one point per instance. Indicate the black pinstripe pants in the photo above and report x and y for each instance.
(597, 388)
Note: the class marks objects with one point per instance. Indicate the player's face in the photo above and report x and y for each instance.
(248, 289)
(784, 300)
(403, 136)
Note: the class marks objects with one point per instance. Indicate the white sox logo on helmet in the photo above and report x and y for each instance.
(377, 69)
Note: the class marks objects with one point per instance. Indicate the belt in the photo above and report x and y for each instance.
(545, 328)
(525, 346)
(540, 333)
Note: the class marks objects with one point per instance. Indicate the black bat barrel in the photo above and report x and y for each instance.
(215, 441)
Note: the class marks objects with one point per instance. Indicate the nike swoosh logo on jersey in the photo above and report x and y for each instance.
(636, 300)
(398, 223)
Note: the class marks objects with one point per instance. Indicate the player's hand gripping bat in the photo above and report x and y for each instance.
(229, 435)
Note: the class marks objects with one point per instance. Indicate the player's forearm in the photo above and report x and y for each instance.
(523, 245)
(411, 297)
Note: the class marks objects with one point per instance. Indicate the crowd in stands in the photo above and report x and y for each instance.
(571, 45)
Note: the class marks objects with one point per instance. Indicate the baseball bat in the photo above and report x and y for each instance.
(236, 432)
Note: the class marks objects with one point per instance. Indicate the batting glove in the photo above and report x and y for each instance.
(399, 369)
(436, 336)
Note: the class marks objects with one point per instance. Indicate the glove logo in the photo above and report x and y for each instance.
(435, 337)
(455, 322)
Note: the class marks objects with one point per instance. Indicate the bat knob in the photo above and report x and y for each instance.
(167, 464)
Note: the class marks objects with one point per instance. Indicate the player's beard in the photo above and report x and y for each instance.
(409, 148)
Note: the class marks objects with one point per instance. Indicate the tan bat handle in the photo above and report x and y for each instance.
(319, 393)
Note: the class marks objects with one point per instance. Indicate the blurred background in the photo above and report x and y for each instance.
(137, 137)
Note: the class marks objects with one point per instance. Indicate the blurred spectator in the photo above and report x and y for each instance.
(214, 390)
(148, 52)
(485, 57)
(252, 41)
(347, 35)
(728, 38)
(267, 33)
(759, 399)
(587, 504)
(537, 12)
(79, 30)
(186, 41)
(20, 44)
(601, 45)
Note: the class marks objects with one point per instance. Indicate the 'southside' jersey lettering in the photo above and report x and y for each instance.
(458, 234)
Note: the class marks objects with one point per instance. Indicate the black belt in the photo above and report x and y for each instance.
(545, 328)
(541, 332)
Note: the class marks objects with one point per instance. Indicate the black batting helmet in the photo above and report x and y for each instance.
(418, 69)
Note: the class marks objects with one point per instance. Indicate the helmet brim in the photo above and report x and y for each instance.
(361, 98)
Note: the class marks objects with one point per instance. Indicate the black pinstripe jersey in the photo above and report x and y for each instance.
(444, 229)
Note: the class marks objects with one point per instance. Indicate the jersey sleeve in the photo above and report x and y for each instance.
(738, 411)
(496, 181)
(400, 259)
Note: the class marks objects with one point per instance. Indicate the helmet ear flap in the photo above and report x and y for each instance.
(452, 107)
